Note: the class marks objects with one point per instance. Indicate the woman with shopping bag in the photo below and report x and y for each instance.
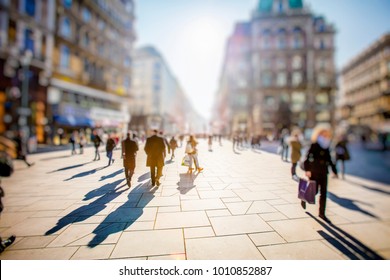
(192, 154)
(317, 163)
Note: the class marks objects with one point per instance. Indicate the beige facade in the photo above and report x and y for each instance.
(365, 88)
(288, 57)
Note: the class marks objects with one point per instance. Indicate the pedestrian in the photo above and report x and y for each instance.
(342, 154)
(129, 153)
(97, 141)
(155, 151)
(173, 144)
(192, 152)
(166, 143)
(110, 146)
(82, 142)
(210, 142)
(21, 148)
(284, 144)
(296, 147)
(8, 150)
(317, 163)
(72, 141)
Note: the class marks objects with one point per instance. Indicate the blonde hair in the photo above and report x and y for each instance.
(318, 129)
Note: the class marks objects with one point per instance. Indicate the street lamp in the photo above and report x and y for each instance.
(24, 110)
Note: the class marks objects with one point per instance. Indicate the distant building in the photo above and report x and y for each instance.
(158, 100)
(365, 88)
(279, 70)
(80, 73)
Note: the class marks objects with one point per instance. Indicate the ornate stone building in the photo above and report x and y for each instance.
(365, 88)
(79, 73)
(287, 53)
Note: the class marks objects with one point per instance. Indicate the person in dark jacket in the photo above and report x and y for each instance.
(97, 141)
(342, 153)
(110, 146)
(129, 153)
(155, 151)
(21, 148)
(173, 144)
(317, 163)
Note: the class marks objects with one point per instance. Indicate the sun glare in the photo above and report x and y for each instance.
(205, 36)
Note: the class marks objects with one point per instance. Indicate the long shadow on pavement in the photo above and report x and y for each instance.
(350, 204)
(369, 188)
(345, 242)
(186, 182)
(144, 177)
(70, 167)
(125, 215)
(86, 211)
(112, 175)
(85, 173)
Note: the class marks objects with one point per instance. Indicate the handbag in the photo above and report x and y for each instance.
(6, 165)
(307, 190)
(186, 161)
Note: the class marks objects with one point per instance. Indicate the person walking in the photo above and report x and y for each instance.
(284, 144)
(97, 141)
(210, 142)
(342, 154)
(110, 146)
(155, 151)
(317, 163)
(72, 141)
(82, 142)
(173, 144)
(21, 148)
(192, 152)
(296, 147)
(129, 153)
(8, 151)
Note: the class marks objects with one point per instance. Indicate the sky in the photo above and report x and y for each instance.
(192, 34)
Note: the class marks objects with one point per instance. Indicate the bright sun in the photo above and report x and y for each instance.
(205, 35)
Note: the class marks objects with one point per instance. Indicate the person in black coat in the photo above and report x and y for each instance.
(97, 141)
(110, 146)
(129, 153)
(155, 151)
(21, 148)
(317, 163)
(342, 154)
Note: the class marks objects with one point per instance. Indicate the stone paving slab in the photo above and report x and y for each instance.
(242, 206)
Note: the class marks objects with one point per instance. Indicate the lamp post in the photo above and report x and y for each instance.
(24, 110)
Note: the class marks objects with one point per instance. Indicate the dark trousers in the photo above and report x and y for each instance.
(294, 169)
(322, 187)
(129, 172)
(153, 174)
(97, 154)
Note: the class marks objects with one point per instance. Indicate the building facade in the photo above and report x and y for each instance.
(288, 58)
(80, 72)
(365, 89)
(158, 100)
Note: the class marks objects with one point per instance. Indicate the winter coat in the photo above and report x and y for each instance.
(155, 151)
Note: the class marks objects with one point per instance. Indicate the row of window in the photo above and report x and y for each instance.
(95, 72)
(269, 79)
(113, 52)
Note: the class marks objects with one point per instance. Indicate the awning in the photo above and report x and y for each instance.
(73, 121)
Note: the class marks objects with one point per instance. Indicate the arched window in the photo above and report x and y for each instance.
(282, 39)
(266, 42)
(298, 38)
(66, 28)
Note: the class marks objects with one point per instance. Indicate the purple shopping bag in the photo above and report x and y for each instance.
(307, 191)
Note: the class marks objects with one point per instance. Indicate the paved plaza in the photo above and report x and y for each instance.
(243, 205)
